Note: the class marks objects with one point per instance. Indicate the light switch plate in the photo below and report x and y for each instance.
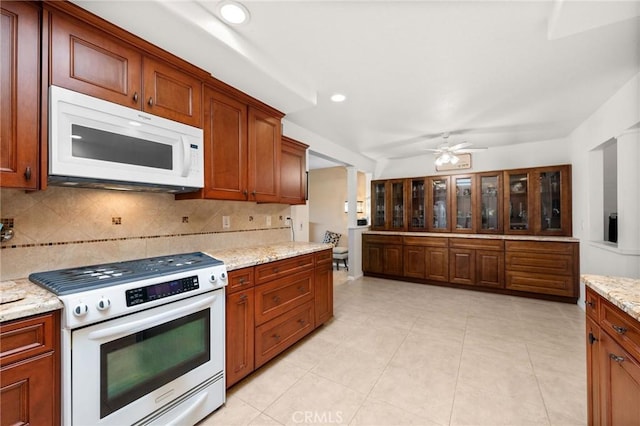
(268, 220)
(226, 222)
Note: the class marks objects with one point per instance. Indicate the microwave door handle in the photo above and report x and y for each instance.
(139, 325)
(186, 156)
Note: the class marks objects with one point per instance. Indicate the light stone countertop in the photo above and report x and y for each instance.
(622, 292)
(479, 236)
(250, 256)
(32, 299)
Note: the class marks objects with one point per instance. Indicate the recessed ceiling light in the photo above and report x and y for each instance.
(233, 12)
(338, 97)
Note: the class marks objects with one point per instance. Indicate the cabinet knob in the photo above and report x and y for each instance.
(241, 281)
(253, 193)
(27, 173)
(150, 102)
(276, 336)
(135, 97)
(618, 329)
(592, 339)
(590, 304)
(616, 358)
(246, 193)
(243, 297)
(276, 299)
(301, 322)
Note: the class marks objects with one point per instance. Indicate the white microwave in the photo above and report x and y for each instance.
(98, 144)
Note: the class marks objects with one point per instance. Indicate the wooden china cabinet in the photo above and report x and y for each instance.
(439, 196)
(389, 202)
(488, 211)
(417, 206)
(463, 204)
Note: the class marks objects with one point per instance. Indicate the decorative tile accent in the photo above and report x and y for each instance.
(116, 221)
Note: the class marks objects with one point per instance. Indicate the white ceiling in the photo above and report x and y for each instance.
(491, 73)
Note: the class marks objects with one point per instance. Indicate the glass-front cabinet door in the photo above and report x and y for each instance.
(554, 214)
(378, 208)
(489, 196)
(462, 204)
(397, 205)
(417, 204)
(439, 202)
(518, 201)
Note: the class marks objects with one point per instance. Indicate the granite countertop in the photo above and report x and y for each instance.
(622, 292)
(479, 236)
(250, 256)
(21, 298)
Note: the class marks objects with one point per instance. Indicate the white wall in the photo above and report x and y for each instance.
(533, 154)
(619, 113)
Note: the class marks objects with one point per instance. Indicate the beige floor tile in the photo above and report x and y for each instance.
(264, 420)
(234, 412)
(377, 413)
(436, 352)
(316, 400)
(565, 398)
(381, 340)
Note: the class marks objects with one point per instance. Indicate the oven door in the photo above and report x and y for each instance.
(137, 367)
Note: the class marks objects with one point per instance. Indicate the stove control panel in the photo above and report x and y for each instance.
(153, 292)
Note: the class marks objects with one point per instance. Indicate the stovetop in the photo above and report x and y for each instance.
(75, 280)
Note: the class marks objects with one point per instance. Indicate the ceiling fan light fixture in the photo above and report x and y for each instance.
(338, 97)
(233, 12)
(454, 159)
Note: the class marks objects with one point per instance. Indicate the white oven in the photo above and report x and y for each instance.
(143, 341)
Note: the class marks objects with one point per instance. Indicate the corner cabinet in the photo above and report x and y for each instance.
(20, 86)
(613, 363)
(293, 172)
(30, 370)
(98, 59)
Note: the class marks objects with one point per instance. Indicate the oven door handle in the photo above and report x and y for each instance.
(184, 418)
(139, 325)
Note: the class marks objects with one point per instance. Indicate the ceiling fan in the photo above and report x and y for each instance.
(447, 153)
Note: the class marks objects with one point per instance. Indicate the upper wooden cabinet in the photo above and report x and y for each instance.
(265, 133)
(293, 172)
(20, 100)
(86, 59)
(534, 201)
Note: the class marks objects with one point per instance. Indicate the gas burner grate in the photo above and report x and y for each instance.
(75, 280)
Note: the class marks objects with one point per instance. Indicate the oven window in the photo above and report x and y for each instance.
(135, 365)
(116, 148)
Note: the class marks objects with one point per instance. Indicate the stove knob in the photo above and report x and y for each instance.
(212, 278)
(80, 309)
(103, 304)
(223, 276)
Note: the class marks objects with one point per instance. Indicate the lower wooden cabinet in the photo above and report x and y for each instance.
(273, 305)
(30, 371)
(546, 269)
(613, 365)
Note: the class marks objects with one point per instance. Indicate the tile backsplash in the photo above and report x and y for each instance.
(65, 227)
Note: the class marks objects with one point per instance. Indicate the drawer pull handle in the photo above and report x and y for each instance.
(592, 339)
(591, 304)
(27, 173)
(150, 102)
(616, 358)
(135, 97)
(242, 281)
(276, 270)
(301, 289)
(618, 329)
(276, 299)
(276, 336)
(243, 297)
(302, 322)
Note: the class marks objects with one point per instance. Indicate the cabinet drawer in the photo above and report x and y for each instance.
(275, 336)
(240, 279)
(539, 263)
(540, 247)
(323, 257)
(558, 285)
(624, 329)
(270, 271)
(425, 241)
(26, 338)
(592, 304)
(282, 295)
(382, 239)
(476, 243)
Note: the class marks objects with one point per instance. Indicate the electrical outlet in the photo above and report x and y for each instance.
(268, 220)
(226, 222)
(287, 221)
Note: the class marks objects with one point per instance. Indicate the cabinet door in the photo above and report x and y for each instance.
(553, 203)
(239, 335)
(417, 207)
(490, 268)
(439, 202)
(593, 379)
(372, 258)
(462, 204)
(171, 93)
(415, 262)
(488, 213)
(19, 83)
(437, 264)
(462, 267)
(323, 287)
(225, 149)
(518, 201)
(26, 390)
(396, 205)
(619, 384)
(392, 260)
(293, 168)
(264, 157)
(379, 207)
(89, 61)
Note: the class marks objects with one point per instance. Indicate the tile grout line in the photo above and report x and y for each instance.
(455, 389)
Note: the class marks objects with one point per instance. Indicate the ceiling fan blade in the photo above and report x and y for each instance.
(460, 146)
(469, 150)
